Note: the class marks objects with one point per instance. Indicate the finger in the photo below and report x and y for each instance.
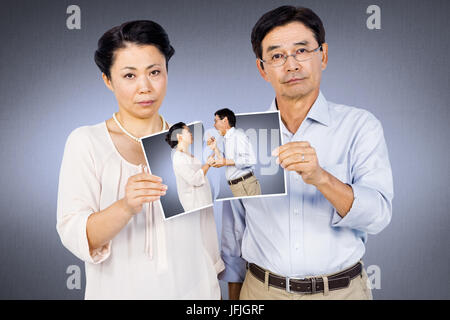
(297, 147)
(295, 158)
(296, 150)
(289, 145)
(149, 185)
(149, 199)
(147, 193)
(144, 176)
(299, 167)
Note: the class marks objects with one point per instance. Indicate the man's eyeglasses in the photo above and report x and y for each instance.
(302, 54)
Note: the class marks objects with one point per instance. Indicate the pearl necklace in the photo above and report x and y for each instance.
(163, 125)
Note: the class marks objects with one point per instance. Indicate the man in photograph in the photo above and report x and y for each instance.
(308, 244)
(239, 156)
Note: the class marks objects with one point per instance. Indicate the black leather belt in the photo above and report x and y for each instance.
(310, 285)
(246, 176)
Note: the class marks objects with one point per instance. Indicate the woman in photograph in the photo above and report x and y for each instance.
(107, 212)
(193, 187)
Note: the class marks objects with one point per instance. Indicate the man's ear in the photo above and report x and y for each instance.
(227, 122)
(324, 55)
(107, 82)
(262, 72)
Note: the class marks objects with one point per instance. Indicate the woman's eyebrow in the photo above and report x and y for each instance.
(133, 68)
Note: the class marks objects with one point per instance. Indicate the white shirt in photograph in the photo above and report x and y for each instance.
(193, 187)
(239, 149)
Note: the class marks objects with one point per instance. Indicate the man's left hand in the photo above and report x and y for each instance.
(299, 156)
(219, 163)
(211, 143)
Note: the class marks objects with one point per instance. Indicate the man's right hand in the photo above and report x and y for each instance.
(234, 290)
(212, 143)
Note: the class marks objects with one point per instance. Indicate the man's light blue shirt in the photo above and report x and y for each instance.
(301, 234)
(239, 149)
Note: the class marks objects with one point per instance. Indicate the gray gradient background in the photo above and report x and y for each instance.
(270, 184)
(50, 85)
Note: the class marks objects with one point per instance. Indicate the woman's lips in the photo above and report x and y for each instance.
(146, 103)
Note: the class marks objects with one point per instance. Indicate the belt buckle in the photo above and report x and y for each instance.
(288, 284)
(313, 285)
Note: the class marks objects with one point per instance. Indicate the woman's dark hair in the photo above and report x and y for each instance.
(140, 32)
(171, 136)
(222, 113)
(282, 16)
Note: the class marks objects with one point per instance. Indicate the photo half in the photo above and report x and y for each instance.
(176, 156)
(242, 146)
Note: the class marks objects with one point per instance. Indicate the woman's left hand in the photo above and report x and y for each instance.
(210, 161)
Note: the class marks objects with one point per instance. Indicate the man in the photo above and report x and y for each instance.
(239, 157)
(308, 244)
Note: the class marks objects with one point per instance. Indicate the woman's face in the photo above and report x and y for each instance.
(186, 135)
(138, 79)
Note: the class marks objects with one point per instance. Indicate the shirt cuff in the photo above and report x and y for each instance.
(239, 165)
(100, 254)
(94, 256)
(358, 213)
(219, 266)
(235, 269)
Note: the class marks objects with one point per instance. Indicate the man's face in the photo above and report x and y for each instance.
(293, 79)
(221, 125)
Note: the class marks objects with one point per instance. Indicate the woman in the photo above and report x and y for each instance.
(193, 187)
(107, 213)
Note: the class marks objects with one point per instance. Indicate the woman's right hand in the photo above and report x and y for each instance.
(141, 188)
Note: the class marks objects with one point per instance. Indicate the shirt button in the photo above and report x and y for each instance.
(296, 211)
(297, 246)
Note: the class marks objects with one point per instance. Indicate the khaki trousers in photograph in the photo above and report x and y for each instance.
(254, 289)
(247, 187)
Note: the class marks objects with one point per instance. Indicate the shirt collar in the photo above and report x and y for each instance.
(229, 133)
(319, 111)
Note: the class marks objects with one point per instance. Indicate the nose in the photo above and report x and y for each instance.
(145, 85)
(291, 64)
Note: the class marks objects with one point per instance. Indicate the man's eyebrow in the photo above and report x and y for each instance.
(133, 68)
(270, 48)
(300, 43)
